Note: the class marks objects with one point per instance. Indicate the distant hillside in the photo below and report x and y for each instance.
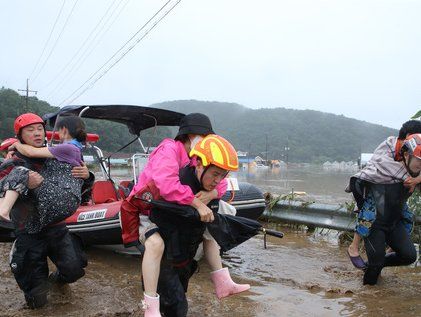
(311, 136)
(112, 135)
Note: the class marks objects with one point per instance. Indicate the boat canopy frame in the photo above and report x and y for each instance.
(136, 118)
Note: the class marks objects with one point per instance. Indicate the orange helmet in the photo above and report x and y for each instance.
(26, 119)
(412, 145)
(214, 149)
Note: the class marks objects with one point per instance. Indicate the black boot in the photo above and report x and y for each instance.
(58, 287)
(37, 297)
(371, 275)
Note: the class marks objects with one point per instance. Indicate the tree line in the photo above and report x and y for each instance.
(276, 133)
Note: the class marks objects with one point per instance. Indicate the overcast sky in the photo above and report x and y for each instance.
(361, 59)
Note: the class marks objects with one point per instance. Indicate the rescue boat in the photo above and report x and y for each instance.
(97, 221)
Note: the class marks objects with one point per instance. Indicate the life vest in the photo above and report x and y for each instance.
(384, 206)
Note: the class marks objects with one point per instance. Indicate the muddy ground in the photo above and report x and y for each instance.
(300, 275)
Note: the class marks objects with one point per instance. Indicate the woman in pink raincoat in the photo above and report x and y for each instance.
(163, 170)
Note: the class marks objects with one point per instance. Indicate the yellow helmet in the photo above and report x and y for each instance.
(214, 149)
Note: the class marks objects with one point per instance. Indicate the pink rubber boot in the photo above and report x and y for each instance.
(151, 306)
(224, 285)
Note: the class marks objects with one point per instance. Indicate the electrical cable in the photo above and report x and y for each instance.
(63, 69)
(76, 67)
(123, 54)
(56, 42)
(49, 37)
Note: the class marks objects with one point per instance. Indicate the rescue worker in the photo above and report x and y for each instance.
(382, 207)
(29, 253)
(163, 168)
(385, 167)
(216, 157)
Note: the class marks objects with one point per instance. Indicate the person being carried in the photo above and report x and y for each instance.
(59, 195)
(163, 169)
(4, 146)
(382, 207)
(28, 257)
(385, 167)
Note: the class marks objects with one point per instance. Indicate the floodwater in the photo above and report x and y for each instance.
(320, 185)
(303, 274)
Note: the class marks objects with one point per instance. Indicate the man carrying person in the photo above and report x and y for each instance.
(29, 253)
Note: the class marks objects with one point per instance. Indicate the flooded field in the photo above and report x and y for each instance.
(323, 186)
(299, 275)
(303, 274)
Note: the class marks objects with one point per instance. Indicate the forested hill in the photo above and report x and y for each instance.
(112, 135)
(311, 136)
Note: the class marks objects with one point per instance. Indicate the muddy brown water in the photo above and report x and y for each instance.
(300, 275)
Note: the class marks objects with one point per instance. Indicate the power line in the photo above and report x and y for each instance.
(25, 108)
(80, 48)
(49, 37)
(92, 45)
(164, 14)
(56, 42)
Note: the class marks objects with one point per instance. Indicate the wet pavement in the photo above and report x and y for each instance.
(302, 274)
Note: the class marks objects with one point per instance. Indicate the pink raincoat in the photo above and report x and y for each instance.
(163, 169)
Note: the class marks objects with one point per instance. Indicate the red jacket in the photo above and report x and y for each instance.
(130, 209)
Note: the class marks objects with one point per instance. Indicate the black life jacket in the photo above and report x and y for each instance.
(182, 236)
(390, 199)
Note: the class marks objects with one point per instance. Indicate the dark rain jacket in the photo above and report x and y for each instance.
(182, 236)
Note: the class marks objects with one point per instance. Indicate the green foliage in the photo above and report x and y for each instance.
(349, 206)
(414, 204)
(112, 135)
(417, 115)
(12, 105)
(311, 136)
(272, 201)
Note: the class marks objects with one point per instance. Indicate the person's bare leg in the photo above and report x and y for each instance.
(354, 247)
(7, 202)
(154, 249)
(212, 255)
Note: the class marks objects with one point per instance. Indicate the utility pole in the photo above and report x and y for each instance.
(286, 157)
(267, 149)
(25, 109)
(287, 150)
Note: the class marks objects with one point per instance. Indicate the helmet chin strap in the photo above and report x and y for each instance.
(203, 174)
